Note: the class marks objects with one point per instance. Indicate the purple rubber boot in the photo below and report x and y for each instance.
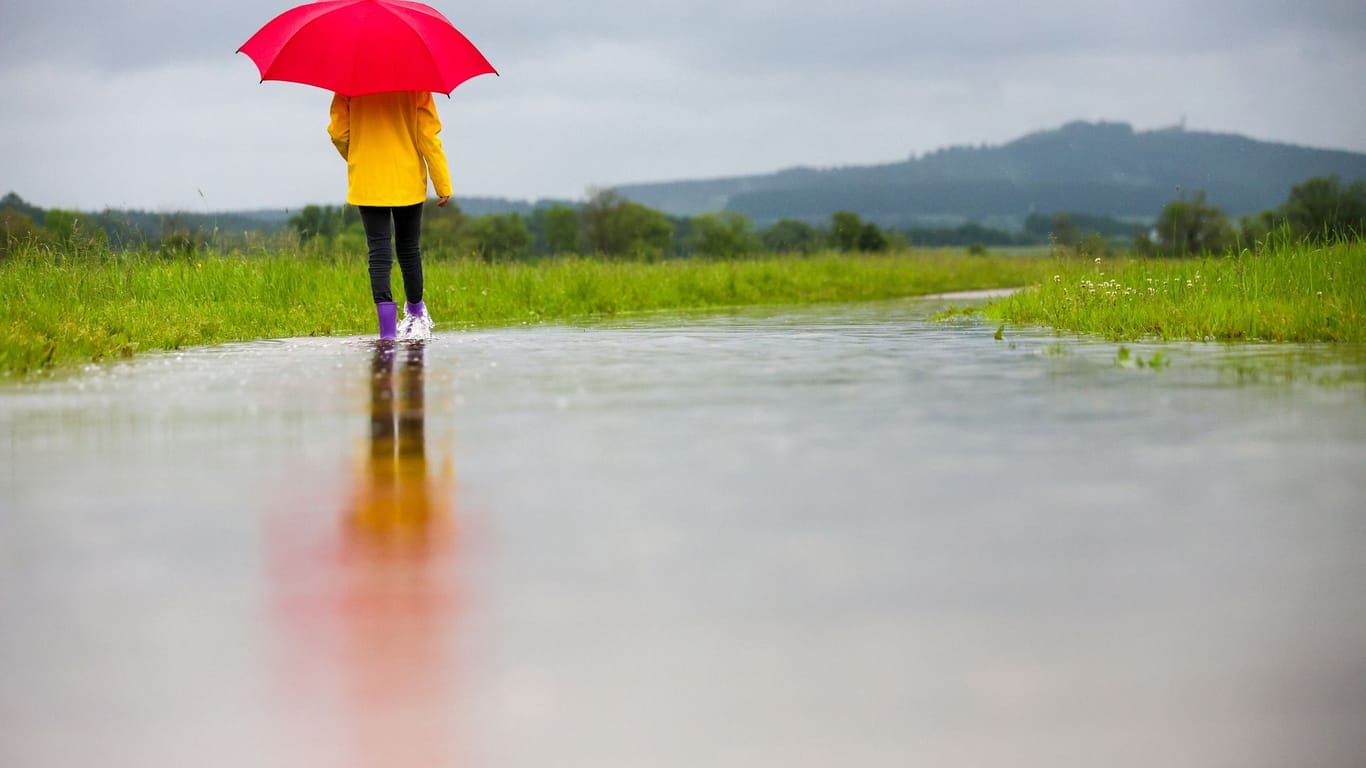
(388, 319)
(416, 324)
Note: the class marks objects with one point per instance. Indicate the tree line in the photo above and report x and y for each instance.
(610, 226)
(607, 225)
(1320, 209)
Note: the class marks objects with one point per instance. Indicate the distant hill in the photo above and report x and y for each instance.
(1103, 169)
(1097, 169)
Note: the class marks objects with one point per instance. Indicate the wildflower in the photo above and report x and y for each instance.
(1097, 259)
(1057, 278)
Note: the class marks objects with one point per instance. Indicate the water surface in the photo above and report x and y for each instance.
(830, 536)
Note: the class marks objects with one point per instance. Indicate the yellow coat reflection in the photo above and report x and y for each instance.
(399, 505)
(368, 597)
(398, 598)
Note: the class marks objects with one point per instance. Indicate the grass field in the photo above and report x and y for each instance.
(66, 308)
(1289, 291)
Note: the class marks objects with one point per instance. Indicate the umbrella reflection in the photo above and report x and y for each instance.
(369, 605)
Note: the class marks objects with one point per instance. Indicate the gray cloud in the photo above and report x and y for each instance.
(763, 33)
(624, 90)
(128, 35)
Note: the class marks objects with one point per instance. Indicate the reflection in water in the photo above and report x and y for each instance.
(368, 614)
(840, 536)
(395, 508)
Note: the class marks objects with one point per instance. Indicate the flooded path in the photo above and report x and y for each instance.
(828, 536)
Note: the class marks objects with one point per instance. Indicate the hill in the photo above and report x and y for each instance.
(1102, 169)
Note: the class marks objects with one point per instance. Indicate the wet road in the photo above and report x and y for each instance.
(829, 536)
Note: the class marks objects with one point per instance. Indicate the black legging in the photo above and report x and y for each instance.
(405, 232)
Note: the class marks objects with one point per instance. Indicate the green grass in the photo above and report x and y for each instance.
(61, 308)
(1288, 291)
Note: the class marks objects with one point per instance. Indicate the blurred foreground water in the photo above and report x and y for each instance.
(828, 536)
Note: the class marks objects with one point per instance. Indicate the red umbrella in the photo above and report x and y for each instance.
(354, 47)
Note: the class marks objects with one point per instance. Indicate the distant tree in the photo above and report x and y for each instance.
(117, 228)
(871, 238)
(1256, 229)
(73, 230)
(1070, 227)
(1322, 207)
(1191, 227)
(616, 227)
(442, 228)
(1143, 245)
(62, 225)
(17, 204)
(180, 242)
(1094, 244)
(726, 235)
(1064, 232)
(791, 236)
(16, 230)
(846, 227)
(964, 234)
(317, 221)
(559, 229)
(849, 232)
(498, 236)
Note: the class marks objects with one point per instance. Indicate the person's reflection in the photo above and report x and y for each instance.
(368, 606)
(395, 506)
(397, 535)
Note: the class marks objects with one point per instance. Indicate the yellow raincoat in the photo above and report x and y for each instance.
(390, 145)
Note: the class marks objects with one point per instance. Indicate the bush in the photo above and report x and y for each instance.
(498, 236)
(16, 230)
(722, 236)
(1192, 227)
(1322, 208)
(791, 236)
(558, 227)
(849, 232)
(871, 238)
(845, 228)
(615, 227)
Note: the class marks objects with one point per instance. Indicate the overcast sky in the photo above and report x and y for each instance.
(145, 104)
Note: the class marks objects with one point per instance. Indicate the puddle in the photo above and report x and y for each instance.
(787, 537)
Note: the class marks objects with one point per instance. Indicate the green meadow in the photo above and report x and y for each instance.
(1292, 291)
(62, 308)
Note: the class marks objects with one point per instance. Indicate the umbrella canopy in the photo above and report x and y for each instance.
(355, 47)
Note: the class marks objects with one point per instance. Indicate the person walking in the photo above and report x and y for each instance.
(390, 145)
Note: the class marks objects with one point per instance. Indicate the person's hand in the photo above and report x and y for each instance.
(441, 201)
